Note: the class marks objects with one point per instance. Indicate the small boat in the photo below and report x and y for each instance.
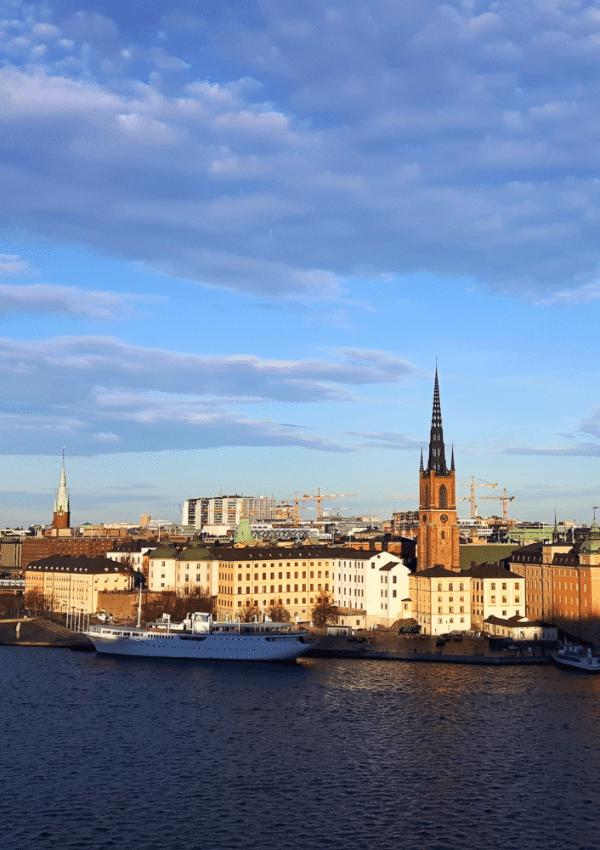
(201, 638)
(571, 656)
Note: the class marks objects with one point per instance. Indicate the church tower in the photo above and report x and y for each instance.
(438, 533)
(61, 518)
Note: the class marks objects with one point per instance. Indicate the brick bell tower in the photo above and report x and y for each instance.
(61, 518)
(438, 533)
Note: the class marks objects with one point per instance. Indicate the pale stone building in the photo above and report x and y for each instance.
(495, 592)
(183, 571)
(441, 600)
(72, 584)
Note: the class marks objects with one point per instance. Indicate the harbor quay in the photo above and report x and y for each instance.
(373, 646)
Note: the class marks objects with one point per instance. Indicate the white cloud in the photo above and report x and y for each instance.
(68, 300)
(133, 398)
(459, 139)
(12, 264)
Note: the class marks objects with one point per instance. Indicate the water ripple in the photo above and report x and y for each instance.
(328, 754)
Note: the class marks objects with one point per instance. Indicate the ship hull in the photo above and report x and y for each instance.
(571, 665)
(211, 647)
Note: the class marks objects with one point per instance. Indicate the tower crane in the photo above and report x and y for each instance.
(504, 499)
(319, 498)
(471, 498)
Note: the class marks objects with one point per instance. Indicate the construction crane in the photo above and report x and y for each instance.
(471, 498)
(319, 498)
(504, 499)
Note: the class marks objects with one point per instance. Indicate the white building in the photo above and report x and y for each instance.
(182, 571)
(373, 583)
(226, 511)
(133, 552)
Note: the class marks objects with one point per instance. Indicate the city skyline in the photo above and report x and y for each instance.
(234, 242)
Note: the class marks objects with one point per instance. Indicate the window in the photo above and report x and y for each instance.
(451, 586)
(493, 585)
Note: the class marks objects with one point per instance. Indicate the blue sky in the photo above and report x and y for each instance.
(234, 239)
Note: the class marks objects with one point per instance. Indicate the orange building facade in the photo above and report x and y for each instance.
(562, 583)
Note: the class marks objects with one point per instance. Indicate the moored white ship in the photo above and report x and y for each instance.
(571, 656)
(202, 639)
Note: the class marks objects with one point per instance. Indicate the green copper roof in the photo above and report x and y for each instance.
(244, 533)
(195, 553)
(592, 544)
(164, 552)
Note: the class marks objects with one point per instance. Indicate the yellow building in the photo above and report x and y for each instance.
(495, 592)
(441, 600)
(262, 577)
(64, 584)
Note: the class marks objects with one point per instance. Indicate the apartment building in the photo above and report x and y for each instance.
(223, 513)
(183, 570)
(72, 584)
(495, 592)
(441, 600)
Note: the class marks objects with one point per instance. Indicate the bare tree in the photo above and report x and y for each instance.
(324, 612)
(178, 607)
(278, 614)
(35, 601)
(250, 613)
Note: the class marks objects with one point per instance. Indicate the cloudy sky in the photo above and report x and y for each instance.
(235, 237)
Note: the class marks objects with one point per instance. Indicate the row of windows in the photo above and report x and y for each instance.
(280, 575)
(288, 564)
(288, 588)
(256, 603)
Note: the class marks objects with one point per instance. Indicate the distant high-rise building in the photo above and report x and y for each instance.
(61, 518)
(438, 531)
(226, 510)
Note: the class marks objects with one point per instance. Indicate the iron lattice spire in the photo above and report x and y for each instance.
(437, 451)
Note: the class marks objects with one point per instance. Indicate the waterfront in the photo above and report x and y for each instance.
(324, 754)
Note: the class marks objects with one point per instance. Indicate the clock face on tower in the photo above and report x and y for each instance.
(444, 518)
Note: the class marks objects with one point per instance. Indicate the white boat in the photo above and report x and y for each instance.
(199, 637)
(571, 656)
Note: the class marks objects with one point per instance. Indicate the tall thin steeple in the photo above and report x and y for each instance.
(438, 532)
(437, 451)
(62, 510)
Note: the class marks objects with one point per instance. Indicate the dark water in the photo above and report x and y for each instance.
(153, 755)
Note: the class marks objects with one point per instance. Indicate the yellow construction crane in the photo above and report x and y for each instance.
(471, 498)
(504, 499)
(319, 498)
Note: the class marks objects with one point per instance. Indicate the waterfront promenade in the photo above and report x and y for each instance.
(383, 646)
